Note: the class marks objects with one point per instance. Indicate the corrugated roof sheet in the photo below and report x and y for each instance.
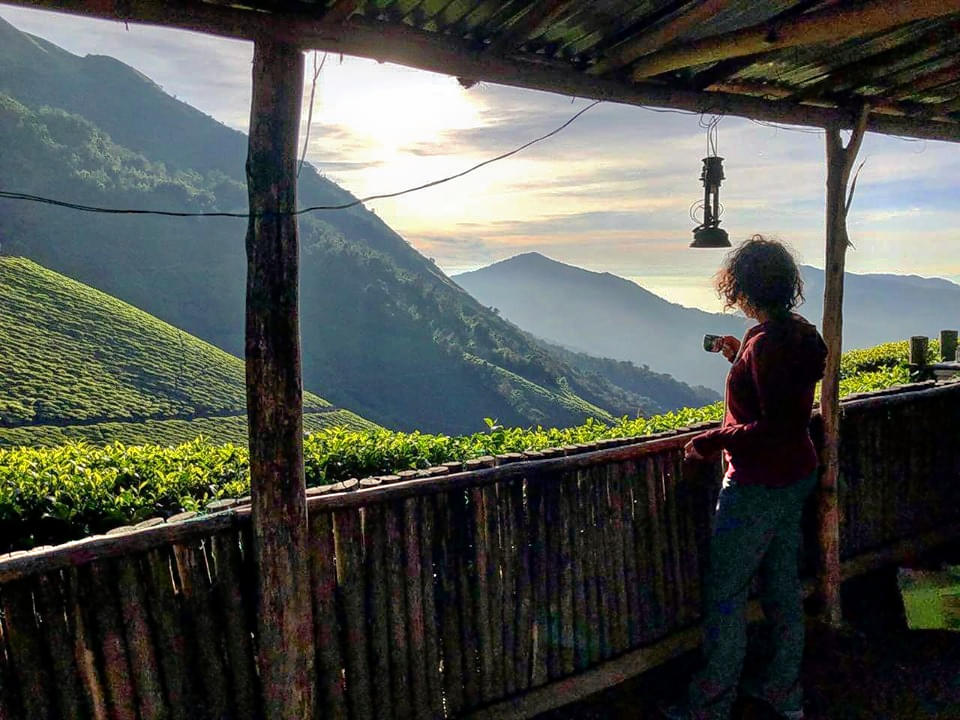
(908, 68)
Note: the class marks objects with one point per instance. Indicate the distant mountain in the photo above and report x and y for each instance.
(882, 307)
(603, 314)
(385, 332)
(608, 315)
(81, 365)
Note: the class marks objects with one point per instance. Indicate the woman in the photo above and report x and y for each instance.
(771, 469)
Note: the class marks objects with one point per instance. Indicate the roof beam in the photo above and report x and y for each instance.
(725, 69)
(835, 24)
(408, 46)
(658, 37)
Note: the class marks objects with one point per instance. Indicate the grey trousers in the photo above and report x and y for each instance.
(754, 528)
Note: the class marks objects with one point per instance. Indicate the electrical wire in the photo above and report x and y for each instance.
(313, 91)
(12, 195)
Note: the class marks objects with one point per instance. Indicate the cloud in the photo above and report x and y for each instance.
(611, 192)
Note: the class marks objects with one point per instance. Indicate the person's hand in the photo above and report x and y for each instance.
(729, 346)
(690, 453)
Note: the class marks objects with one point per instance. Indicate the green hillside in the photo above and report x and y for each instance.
(81, 365)
(385, 332)
(50, 495)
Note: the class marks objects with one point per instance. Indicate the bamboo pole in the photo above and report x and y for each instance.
(274, 386)
(840, 161)
(835, 23)
(651, 40)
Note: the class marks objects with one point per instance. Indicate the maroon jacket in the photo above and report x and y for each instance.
(765, 436)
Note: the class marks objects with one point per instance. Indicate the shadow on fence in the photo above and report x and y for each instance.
(442, 595)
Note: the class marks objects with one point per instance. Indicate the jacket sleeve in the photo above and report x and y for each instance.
(781, 413)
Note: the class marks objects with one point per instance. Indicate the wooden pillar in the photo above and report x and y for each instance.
(839, 164)
(948, 345)
(274, 386)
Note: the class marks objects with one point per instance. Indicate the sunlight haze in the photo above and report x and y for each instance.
(611, 193)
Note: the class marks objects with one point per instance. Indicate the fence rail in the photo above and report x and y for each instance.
(434, 597)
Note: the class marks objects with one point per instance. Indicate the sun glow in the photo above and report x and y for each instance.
(405, 110)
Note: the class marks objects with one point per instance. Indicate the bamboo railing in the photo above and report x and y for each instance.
(475, 591)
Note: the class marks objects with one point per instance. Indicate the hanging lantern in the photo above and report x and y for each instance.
(708, 233)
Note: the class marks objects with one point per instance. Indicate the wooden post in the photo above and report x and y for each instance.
(918, 351)
(274, 387)
(839, 164)
(948, 345)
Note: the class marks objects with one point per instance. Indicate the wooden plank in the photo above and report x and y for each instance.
(9, 700)
(111, 644)
(166, 619)
(646, 600)
(591, 570)
(495, 589)
(508, 564)
(348, 550)
(101, 547)
(376, 604)
(397, 589)
(274, 385)
(690, 553)
(614, 545)
(523, 634)
(551, 500)
(431, 625)
(448, 602)
(481, 594)
(657, 546)
(566, 491)
(213, 699)
(51, 605)
(139, 638)
(677, 579)
(330, 694)
(84, 644)
(835, 23)
(30, 666)
(538, 566)
(228, 585)
(628, 479)
(414, 592)
(580, 554)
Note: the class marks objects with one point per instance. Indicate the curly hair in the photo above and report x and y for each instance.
(760, 274)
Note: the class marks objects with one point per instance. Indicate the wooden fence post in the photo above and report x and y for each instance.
(948, 345)
(839, 164)
(274, 387)
(918, 350)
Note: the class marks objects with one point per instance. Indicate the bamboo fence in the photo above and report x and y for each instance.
(436, 593)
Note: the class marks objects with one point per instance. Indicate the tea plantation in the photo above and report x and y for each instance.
(57, 494)
(81, 365)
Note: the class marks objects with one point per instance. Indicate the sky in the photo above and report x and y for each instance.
(611, 193)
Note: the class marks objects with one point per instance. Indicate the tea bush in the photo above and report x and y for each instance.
(51, 495)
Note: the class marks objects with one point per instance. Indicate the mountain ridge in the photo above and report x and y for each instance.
(384, 331)
(618, 318)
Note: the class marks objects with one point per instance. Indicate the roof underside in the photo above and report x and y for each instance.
(813, 62)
